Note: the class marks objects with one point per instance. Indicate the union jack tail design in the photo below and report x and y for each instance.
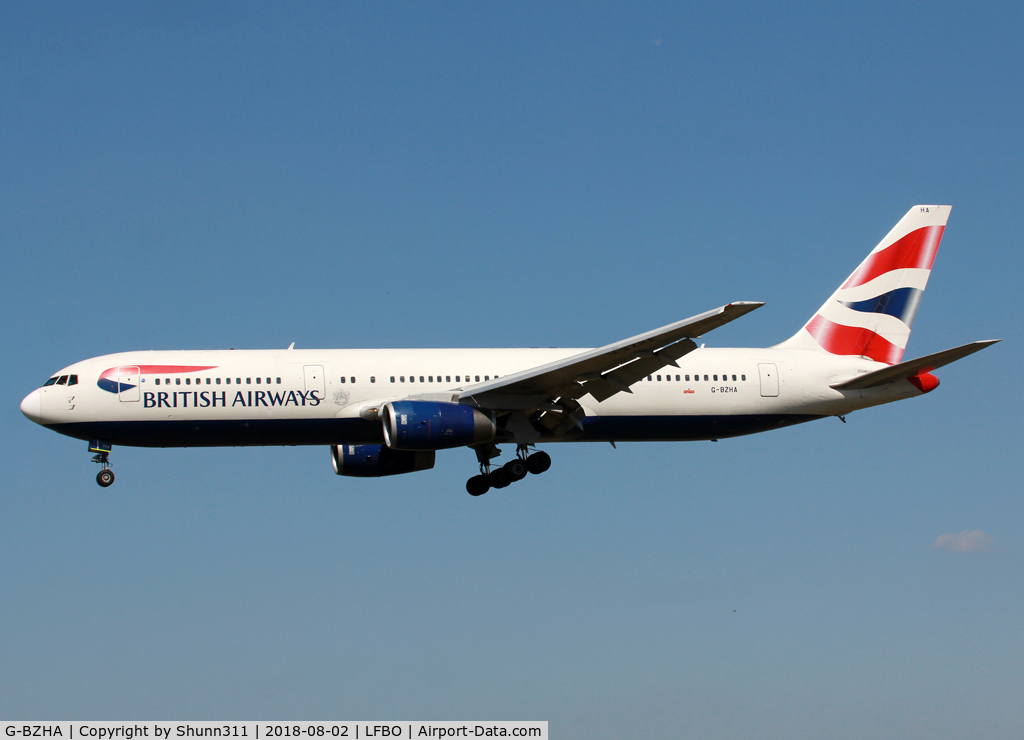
(871, 313)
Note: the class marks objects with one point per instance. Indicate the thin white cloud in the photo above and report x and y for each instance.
(970, 540)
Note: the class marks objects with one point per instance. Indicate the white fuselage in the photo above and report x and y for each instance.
(291, 397)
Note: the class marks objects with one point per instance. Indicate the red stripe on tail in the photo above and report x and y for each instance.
(840, 339)
(916, 249)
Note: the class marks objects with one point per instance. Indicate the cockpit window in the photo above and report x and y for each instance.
(72, 380)
(51, 381)
(62, 380)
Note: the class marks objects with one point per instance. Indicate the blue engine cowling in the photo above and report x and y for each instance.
(434, 425)
(373, 461)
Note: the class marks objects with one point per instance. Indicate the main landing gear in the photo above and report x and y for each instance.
(512, 471)
(102, 449)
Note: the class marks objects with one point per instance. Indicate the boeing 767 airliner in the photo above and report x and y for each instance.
(385, 412)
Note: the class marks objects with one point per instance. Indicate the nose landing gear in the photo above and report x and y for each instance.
(514, 470)
(102, 449)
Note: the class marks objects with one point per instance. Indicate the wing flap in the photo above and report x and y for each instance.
(606, 370)
(912, 367)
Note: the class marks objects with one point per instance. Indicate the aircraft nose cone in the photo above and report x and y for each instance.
(32, 406)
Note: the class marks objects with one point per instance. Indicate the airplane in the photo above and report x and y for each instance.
(388, 411)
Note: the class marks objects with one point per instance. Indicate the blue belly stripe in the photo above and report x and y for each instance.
(286, 432)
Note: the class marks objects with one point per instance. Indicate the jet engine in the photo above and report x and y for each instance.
(434, 425)
(374, 461)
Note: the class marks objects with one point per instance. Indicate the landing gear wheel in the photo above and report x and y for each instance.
(477, 485)
(516, 469)
(500, 478)
(105, 477)
(538, 462)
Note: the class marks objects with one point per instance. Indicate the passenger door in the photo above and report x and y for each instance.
(128, 383)
(769, 379)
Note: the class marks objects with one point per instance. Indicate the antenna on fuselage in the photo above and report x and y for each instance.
(291, 346)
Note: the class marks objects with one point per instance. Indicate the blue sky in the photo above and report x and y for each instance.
(181, 175)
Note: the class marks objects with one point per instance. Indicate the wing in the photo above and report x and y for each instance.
(601, 372)
(912, 367)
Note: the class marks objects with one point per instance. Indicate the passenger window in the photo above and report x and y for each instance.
(279, 381)
(447, 378)
(430, 378)
(677, 378)
(259, 380)
(167, 381)
(51, 381)
(392, 378)
(743, 377)
(649, 377)
(177, 381)
(227, 381)
(477, 378)
(734, 377)
(352, 380)
(218, 381)
(421, 378)
(248, 381)
(705, 377)
(659, 378)
(402, 378)
(373, 379)
(487, 377)
(687, 378)
(342, 378)
(457, 379)
(716, 378)
(157, 381)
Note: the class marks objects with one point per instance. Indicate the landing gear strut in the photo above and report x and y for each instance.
(102, 449)
(514, 470)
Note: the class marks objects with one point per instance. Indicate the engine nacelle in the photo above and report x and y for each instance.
(373, 461)
(434, 425)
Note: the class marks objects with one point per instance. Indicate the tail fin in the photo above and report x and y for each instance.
(871, 313)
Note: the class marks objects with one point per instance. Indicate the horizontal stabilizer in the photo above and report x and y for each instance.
(912, 367)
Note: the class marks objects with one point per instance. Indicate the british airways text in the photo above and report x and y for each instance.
(219, 399)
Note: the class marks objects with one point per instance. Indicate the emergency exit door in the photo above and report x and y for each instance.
(314, 375)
